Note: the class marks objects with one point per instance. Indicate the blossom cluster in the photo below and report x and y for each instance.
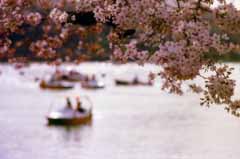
(179, 36)
(33, 19)
(42, 29)
(58, 16)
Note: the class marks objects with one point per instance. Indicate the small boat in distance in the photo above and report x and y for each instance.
(69, 115)
(134, 82)
(58, 85)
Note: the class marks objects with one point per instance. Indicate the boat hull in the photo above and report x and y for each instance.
(70, 121)
(55, 86)
(128, 83)
(123, 83)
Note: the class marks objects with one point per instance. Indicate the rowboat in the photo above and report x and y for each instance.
(55, 85)
(69, 116)
(132, 83)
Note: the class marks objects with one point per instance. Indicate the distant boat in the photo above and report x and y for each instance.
(69, 116)
(134, 82)
(70, 76)
(55, 85)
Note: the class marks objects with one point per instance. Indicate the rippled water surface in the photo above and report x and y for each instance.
(128, 122)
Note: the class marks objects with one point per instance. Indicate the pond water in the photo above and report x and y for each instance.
(128, 122)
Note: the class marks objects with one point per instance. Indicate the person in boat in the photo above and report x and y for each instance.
(69, 104)
(56, 76)
(43, 84)
(135, 80)
(86, 79)
(93, 78)
(79, 105)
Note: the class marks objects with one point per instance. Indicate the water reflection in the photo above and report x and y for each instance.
(71, 133)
